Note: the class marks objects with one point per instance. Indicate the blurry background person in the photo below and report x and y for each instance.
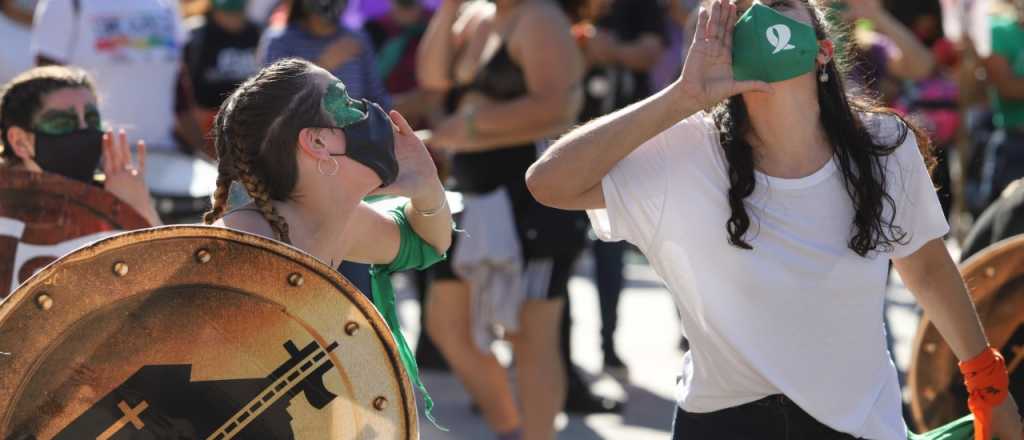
(1004, 155)
(133, 52)
(16, 34)
(220, 54)
(681, 20)
(513, 74)
(886, 49)
(626, 41)
(396, 36)
(314, 32)
(50, 121)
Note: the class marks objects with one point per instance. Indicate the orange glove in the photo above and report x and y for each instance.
(987, 385)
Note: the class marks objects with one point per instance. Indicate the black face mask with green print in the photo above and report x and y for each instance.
(369, 137)
(62, 147)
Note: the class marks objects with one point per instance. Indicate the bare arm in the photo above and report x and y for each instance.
(588, 153)
(568, 175)
(437, 50)
(912, 60)
(1000, 74)
(935, 281)
(553, 69)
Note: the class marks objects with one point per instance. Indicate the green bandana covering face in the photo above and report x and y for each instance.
(230, 5)
(771, 47)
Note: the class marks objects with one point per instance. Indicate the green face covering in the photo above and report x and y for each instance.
(229, 5)
(772, 47)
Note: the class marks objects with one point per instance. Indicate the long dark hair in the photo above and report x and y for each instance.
(859, 154)
(255, 134)
(22, 97)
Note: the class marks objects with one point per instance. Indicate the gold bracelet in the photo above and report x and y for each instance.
(435, 211)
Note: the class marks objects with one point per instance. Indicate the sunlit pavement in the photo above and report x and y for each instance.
(648, 342)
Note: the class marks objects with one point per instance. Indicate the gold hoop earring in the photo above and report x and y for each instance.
(320, 163)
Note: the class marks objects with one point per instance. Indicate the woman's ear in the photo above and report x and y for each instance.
(23, 143)
(311, 142)
(826, 51)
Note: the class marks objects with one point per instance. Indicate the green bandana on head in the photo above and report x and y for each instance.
(343, 109)
(771, 47)
(229, 5)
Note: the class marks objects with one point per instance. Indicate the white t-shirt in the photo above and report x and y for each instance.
(801, 313)
(132, 49)
(14, 54)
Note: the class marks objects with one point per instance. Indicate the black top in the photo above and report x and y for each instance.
(500, 79)
(218, 61)
(609, 88)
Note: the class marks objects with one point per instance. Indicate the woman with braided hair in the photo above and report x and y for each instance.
(308, 154)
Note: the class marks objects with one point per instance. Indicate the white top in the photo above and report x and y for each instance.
(132, 49)
(800, 314)
(14, 54)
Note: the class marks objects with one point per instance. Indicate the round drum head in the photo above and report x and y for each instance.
(197, 332)
(995, 277)
(44, 216)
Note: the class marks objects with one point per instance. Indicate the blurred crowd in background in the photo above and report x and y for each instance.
(161, 69)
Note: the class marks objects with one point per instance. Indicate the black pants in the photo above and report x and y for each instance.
(610, 281)
(772, 418)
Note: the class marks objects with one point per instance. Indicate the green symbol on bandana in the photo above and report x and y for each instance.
(343, 109)
(772, 47)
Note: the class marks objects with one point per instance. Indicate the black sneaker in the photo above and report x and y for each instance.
(614, 366)
(587, 403)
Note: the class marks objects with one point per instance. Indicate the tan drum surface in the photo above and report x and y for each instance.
(197, 332)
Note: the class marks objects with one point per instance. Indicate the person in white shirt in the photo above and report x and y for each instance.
(133, 51)
(773, 219)
(15, 33)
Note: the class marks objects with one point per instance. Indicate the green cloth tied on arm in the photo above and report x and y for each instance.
(413, 253)
(960, 429)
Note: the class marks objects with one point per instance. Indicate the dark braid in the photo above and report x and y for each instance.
(255, 134)
(226, 174)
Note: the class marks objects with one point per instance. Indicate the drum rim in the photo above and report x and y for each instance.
(24, 294)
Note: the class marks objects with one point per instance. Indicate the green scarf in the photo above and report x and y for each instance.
(960, 429)
(413, 253)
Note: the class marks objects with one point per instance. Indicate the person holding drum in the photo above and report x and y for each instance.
(308, 154)
(50, 122)
(773, 218)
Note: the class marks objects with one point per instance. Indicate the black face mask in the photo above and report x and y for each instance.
(75, 155)
(371, 142)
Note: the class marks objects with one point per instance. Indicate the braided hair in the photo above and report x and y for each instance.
(859, 155)
(255, 133)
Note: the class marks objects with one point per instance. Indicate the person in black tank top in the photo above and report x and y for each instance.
(515, 82)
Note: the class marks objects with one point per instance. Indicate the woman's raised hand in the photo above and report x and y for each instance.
(417, 174)
(707, 77)
(124, 178)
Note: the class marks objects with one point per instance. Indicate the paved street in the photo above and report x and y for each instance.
(647, 339)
